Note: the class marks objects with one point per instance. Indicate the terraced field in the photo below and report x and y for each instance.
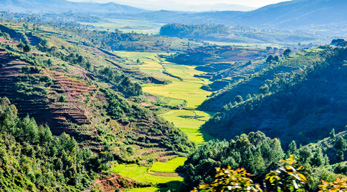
(161, 174)
(183, 86)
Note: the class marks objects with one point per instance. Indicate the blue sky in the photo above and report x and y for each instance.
(187, 4)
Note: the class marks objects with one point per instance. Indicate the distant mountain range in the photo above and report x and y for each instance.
(328, 17)
(285, 14)
(324, 16)
(296, 13)
(37, 6)
(177, 6)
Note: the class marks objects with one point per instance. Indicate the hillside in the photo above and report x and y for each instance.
(248, 83)
(324, 17)
(311, 100)
(39, 6)
(85, 92)
(297, 13)
(236, 34)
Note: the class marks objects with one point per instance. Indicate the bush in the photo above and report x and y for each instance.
(62, 98)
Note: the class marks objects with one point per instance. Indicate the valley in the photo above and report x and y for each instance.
(105, 97)
(187, 91)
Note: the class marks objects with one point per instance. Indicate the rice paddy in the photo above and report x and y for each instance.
(185, 90)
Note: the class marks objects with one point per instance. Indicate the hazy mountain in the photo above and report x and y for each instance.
(327, 17)
(297, 13)
(205, 7)
(156, 5)
(63, 6)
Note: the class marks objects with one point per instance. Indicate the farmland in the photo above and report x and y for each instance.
(185, 88)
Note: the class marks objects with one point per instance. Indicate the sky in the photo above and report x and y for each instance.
(191, 5)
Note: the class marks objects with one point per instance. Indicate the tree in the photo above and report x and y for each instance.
(88, 65)
(340, 146)
(277, 58)
(269, 59)
(264, 89)
(332, 134)
(238, 99)
(21, 45)
(62, 98)
(27, 48)
(287, 177)
(304, 154)
(338, 185)
(49, 62)
(287, 52)
(292, 148)
(230, 180)
(318, 159)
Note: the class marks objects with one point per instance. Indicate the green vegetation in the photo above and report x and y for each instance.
(168, 167)
(162, 179)
(290, 101)
(128, 26)
(286, 178)
(236, 34)
(125, 104)
(249, 82)
(32, 159)
(90, 93)
(258, 155)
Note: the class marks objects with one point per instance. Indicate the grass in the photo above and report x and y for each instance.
(168, 167)
(189, 126)
(169, 101)
(150, 63)
(188, 90)
(146, 175)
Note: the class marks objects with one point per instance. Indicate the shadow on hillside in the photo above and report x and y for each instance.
(172, 186)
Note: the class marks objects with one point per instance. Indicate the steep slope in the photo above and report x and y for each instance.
(302, 107)
(251, 82)
(88, 112)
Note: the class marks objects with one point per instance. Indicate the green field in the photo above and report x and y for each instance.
(159, 173)
(150, 63)
(188, 90)
(139, 26)
(189, 126)
(168, 167)
(189, 120)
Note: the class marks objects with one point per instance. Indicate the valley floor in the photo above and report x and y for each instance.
(184, 87)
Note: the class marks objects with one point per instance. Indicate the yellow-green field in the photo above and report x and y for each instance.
(189, 120)
(150, 63)
(159, 173)
(188, 90)
(189, 126)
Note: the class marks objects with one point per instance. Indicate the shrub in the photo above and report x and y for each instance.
(62, 98)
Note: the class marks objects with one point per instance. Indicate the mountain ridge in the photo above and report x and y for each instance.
(38, 6)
